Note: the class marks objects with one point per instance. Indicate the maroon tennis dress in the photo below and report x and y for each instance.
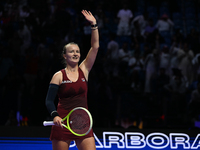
(71, 95)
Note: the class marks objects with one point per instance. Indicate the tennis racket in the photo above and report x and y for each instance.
(78, 121)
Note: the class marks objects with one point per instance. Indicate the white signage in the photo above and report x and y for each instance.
(155, 140)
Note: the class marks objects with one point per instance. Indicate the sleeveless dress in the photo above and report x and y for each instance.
(70, 95)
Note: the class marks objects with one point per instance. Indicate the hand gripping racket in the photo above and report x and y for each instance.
(78, 121)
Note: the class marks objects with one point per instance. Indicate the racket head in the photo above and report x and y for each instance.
(79, 121)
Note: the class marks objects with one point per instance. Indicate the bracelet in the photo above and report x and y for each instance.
(95, 25)
(94, 28)
(54, 114)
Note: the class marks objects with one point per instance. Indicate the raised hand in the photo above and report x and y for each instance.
(88, 16)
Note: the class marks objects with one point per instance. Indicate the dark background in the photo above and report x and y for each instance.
(33, 33)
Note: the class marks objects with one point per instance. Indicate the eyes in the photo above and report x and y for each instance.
(73, 51)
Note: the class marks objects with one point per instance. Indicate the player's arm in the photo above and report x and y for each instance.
(88, 62)
(51, 94)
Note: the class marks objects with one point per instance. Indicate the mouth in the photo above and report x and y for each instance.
(75, 57)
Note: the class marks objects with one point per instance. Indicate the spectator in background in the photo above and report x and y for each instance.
(165, 28)
(165, 59)
(150, 64)
(25, 35)
(43, 54)
(149, 29)
(136, 65)
(164, 24)
(24, 13)
(185, 56)
(124, 15)
(136, 34)
(141, 21)
(124, 56)
(173, 57)
(112, 55)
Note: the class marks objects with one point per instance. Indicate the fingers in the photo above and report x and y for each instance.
(85, 12)
(58, 121)
(88, 15)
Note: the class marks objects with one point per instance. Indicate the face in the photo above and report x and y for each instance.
(72, 54)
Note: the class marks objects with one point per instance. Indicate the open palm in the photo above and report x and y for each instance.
(88, 15)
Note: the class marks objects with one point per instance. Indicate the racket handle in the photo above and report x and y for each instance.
(48, 123)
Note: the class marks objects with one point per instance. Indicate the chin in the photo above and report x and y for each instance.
(75, 61)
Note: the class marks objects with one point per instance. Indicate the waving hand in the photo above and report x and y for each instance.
(88, 16)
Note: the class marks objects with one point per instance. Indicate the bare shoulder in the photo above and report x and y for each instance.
(57, 78)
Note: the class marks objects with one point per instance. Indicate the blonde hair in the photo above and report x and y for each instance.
(65, 47)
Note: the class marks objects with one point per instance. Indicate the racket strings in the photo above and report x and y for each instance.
(79, 121)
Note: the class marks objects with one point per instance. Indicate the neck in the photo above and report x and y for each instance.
(71, 69)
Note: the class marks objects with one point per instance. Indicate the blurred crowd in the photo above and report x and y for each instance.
(146, 74)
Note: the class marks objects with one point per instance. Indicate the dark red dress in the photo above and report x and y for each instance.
(71, 95)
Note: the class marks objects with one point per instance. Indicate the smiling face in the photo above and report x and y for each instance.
(72, 53)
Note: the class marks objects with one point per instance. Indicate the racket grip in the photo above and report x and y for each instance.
(48, 123)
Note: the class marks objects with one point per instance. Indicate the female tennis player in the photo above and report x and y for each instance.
(70, 84)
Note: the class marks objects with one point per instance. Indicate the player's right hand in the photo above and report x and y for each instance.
(57, 121)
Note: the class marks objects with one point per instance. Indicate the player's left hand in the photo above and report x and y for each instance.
(88, 16)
